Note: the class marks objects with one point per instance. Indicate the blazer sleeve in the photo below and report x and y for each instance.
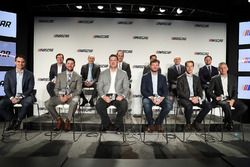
(211, 88)
(165, 86)
(51, 73)
(30, 84)
(100, 84)
(78, 89)
(98, 71)
(128, 71)
(7, 84)
(125, 85)
(181, 88)
(201, 76)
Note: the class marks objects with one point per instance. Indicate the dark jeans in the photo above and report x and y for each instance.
(166, 106)
(50, 89)
(121, 109)
(240, 109)
(6, 108)
(188, 110)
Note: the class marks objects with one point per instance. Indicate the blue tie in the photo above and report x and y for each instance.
(90, 78)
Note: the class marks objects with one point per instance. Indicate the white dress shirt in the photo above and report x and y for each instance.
(19, 82)
(154, 83)
(112, 84)
(224, 81)
(190, 84)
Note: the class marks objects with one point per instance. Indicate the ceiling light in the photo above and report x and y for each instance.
(162, 10)
(142, 9)
(100, 7)
(79, 7)
(179, 11)
(119, 8)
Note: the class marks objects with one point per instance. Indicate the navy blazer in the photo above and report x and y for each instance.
(53, 70)
(10, 83)
(204, 75)
(147, 85)
(95, 72)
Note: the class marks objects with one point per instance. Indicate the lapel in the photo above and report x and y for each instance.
(186, 83)
(117, 77)
(24, 78)
(228, 85)
(151, 82)
(220, 84)
(174, 67)
(14, 83)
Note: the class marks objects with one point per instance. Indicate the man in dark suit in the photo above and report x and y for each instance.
(206, 73)
(190, 94)
(146, 68)
(55, 69)
(67, 89)
(112, 87)
(173, 73)
(122, 64)
(154, 90)
(90, 73)
(222, 89)
(18, 87)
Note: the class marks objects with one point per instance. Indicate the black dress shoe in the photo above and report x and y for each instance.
(188, 127)
(11, 125)
(229, 126)
(17, 125)
(197, 126)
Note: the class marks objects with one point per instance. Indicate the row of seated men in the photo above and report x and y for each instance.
(19, 84)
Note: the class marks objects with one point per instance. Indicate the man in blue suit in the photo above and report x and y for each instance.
(18, 87)
(154, 90)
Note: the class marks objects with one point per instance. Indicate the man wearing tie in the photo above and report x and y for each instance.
(173, 73)
(55, 69)
(146, 68)
(112, 87)
(18, 87)
(122, 64)
(90, 73)
(206, 73)
(67, 89)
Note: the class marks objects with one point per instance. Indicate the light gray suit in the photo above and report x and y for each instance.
(121, 88)
(75, 86)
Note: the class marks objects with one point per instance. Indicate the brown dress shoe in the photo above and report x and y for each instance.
(67, 126)
(159, 128)
(59, 124)
(151, 128)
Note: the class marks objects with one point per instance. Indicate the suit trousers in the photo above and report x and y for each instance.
(188, 110)
(94, 94)
(6, 108)
(54, 101)
(50, 89)
(121, 109)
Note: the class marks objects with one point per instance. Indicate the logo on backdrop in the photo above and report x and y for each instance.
(202, 25)
(103, 65)
(125, 22)
(215, 40)
(127, 51)
(46, 21)
(4, 23)
(101, 36)
(85, 50)
(2, 83)
(201, 53)
(5, 53)
(45, 50)
(86, 21)
(140, 37)
(163, 52)
(246, 33)
(61, 36)
(137, 96)
(138, 66)
(245, 60)
(163, 23)
(246, 87)
(179, 38)
(43, 79)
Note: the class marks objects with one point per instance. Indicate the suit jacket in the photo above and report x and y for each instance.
(95, 72)
(146, 69)
(204, 75)
(173, 74)
(126, 67)
(183, 88)
(147, 85)
(53, 70)
(215, 87)
(10, 83)
(121, 83)
(75, 84)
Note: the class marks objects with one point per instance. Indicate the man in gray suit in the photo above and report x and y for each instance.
(67, 89)
(112, 87)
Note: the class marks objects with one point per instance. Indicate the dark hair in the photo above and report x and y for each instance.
(119, 51)
(208, 56)
(59, 55)
(152, 56)
(19, 56)
(189, 61)
(113, 55)
(155, 61)
(70, 59)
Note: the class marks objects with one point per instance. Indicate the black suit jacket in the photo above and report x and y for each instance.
(183, 88)
(126, 67)
(215, 87)
(10, 83)
(95, 72)
(173, 74)
(147, 85)
(146, 69)
(53, 70)
(204, 75)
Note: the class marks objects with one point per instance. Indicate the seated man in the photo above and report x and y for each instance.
(90, 73)
(222, 90)
(18, 87)
(112, 87)
(155, 92)
(55, 69)
(68, 89)
(190, 94)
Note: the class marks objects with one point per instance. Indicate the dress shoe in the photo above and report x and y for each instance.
(67, 126)
(196, 125)
(229, 126)
(11, 125)
(159, 128)
(17, 125)
(59, 124)
(188, 128)
(151, 128)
